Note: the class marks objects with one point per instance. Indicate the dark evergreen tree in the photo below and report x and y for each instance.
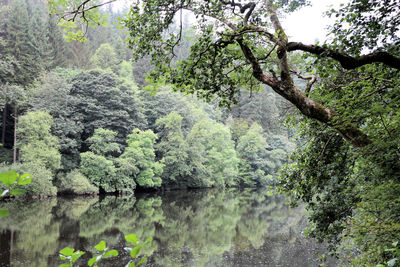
(57, 47)
(20, 44)
(54, 97)
(106, 102)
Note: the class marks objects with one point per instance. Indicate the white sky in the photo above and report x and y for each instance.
(309, 24)
(306, 25)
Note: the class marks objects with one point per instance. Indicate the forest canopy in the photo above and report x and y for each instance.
(343, 100)
(348, 104)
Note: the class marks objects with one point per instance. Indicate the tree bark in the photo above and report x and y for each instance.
(345, 60)
(286, 88)
(3, 128)
(15, 134)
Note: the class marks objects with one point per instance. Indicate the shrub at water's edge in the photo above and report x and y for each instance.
(76, 183)
(41, 184)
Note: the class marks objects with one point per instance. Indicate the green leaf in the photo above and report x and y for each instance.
(380, 265)
(76, 256)
(8, 178)
(148, 240)
(132, 264)
(17, 192)
(135, 251)
(67, 251)
(3, 213)
(132, 239)
(142, 261)
(394, 244)
(101, 246)
(92, 261)
(24, 179)
(111, 253)
(64, 265)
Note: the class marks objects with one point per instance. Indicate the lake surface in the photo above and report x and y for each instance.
(189, 228)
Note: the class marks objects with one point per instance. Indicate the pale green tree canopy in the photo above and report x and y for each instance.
(243, 44)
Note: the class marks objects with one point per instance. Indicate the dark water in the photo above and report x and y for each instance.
(195, 228)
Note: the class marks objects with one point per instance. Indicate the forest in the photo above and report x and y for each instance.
(95, 100)
(79, 120)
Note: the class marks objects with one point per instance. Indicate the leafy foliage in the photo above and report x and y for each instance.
(139, 159)
(102, 142)
(105, 57)
(173, 150)
(135, 250)
(36, 143)
(106, 102)
(91, 17)
(212, 155)
(11, 180)
(255, 165)
(335, 179)
(104, 253)
(382, 18)
(71, 255)
(76, 183)
(41, 179)
(99, 170)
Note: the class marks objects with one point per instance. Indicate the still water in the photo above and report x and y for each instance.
(189, 228)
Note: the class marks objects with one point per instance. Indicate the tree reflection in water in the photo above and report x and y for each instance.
(189, 228)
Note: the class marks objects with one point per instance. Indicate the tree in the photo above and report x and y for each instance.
(53, 96)
(97, 164)
(238, 128)
(255, 165)
(139, 159)
(7, 61)
(38, 152)
(212, 155)
(335, 179)
(57, 53)
(20, 45)
(102, 143)
(36, 143)
(101, 165)
(25, 49)
(243, 44)
(99, 170)
(164, 101)
(106, 102)
(126, 71)
(81, 102)
(262, 107)
(105, 57)
(173, 150)
(238, 54)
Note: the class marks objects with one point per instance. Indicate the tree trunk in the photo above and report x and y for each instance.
(3, 128)
(15, 134)
(11, 245)
(286, 88)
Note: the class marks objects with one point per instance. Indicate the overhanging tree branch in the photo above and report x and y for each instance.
(311, 80)
(81, 9)
(345, 60)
